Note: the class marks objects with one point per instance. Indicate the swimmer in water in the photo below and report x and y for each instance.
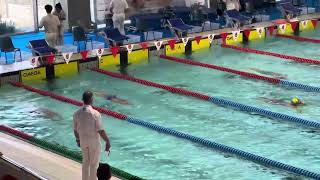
(268, 73)
(46, 113)
(294, 103)
(112, 98)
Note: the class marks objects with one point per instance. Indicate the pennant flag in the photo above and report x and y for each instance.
(50, 58)
(235, 35)
(294, 25)
(67, 56)
(211, 37)
(114, 50)
(172, 43)
(144, 45)
(314, 22)
(304, 24)
(158, 44)
(224, 37)
(260, 31)
(185, 41)
(84, 55)
(99, 52)
(247, 32)
(283, 28)
(271, 29)
(129, 48)
(198, 39)
(34, 61)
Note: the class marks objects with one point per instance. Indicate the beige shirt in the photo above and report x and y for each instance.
(61, 15)
(50, 23)
(119, 6)
(87, 122)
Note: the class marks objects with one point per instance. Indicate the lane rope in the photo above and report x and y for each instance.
(271, 80)
(256, 51)
(299, 38)
(224, 69)
(214, 100)
(198, 140)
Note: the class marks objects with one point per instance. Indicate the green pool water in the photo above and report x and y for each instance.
(152, 155)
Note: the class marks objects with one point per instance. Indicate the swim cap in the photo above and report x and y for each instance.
(295, 101)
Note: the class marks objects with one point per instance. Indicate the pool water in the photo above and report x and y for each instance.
(151, 155)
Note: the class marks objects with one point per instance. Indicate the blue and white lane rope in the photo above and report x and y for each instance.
(304, 87)
(226, 149)
(270, 114)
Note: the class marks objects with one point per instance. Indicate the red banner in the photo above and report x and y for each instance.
(314, 22)
(114, 50)
(224, 37)
(172, 43)
(198, 39)
(294, 25)
(50, 59)
(247, 32)
(84, 55)
(144, 45)
(271, 29)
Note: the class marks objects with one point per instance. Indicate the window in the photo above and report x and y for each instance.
(17, 14)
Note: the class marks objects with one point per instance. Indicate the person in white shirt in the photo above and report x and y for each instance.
(51, 26)
(118, 8)
(88, 129)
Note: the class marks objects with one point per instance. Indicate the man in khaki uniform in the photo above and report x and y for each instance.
(51, 24)
(88, 129)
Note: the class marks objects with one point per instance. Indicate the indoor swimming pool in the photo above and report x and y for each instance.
(152, 155)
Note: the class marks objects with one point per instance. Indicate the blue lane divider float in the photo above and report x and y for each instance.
(246, 108)
(226, 149)
(304, 87)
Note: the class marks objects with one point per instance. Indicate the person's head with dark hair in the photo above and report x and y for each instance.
(58, 7)
(48, 8)
(87, 98)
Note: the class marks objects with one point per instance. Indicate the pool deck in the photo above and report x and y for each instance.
(42, 162)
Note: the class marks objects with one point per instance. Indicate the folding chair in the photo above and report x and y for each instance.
(178, 27)
(114, 37)
(233, 16)
(7, 46)
(41, 48)
(290, 8)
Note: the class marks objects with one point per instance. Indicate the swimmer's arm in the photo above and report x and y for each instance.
(101, 94)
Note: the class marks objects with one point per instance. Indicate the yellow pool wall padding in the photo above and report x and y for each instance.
(178, 49)
(230, 40)
(35, 74)
(70, 69)
(107, 61)
(138, 56)
(204, 43)
(254, 35)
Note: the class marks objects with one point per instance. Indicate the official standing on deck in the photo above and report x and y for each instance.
(88, 129)
(51, 26)
(118, 8)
